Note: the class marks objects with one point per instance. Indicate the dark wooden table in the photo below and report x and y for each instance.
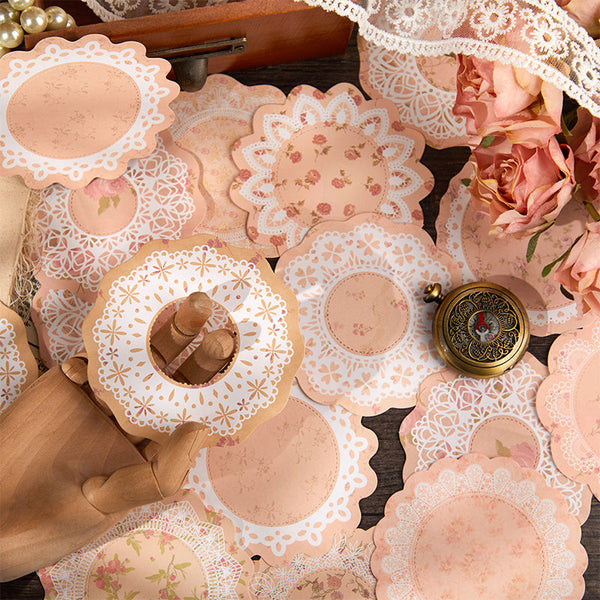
(389, 459)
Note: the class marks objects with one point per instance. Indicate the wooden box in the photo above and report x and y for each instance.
(276, 31)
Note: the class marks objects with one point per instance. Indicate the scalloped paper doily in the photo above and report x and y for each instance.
(457, 414)
(423, 88)
(207, 123)
(463, 232)
(116, 333)
(360, 286)
(72, 111)
(343, 572)
(327, 156)
(18, 367)
(568, 403)
(161, 550)
(478, 528)
(298, 480)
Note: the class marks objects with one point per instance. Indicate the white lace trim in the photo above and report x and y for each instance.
(13, 371)
(535, 35)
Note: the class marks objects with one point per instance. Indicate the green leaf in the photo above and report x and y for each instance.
(486, 142)
(184, 565)
(502, 450)
(546, 270)
(533, 240)
(566, 293)
(450, 55)
(155, 577)
(131, 595)
(466, 181)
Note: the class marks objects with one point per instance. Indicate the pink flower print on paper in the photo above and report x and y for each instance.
(522, 453)
(342, 181)
(106, 192)
(319, 139)
(349, 210)
(375, 189)
(323, 208)
(296, 156)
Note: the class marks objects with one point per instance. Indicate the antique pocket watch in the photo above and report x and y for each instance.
(480, 329)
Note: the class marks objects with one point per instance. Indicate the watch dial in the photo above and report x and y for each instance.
(483, 326)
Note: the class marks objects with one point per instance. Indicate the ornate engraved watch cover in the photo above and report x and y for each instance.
(480, 329)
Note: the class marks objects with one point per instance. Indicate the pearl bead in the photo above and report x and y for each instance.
(57, 18)
(4, 15)
(70, 22)
(20, 5)
(14, 14)
(34, 20)
(3, 51)
(11, 35)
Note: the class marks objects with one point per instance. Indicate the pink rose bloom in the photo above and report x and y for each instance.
(296, 156)
(313, 176)
(579, 272)
(585, 12)
(105, 187)
(523, 188)
(338, 183)
(524, 455)
(497, 98)
(319, 139)
(323, 208)
(351, 154)
(585, 141)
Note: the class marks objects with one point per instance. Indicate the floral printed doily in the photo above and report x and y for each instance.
(327, 156)
(298, 480)
(368, 332)
(207, 123)
(116, 332)
(72, 111)
(463, 232)
(457, 414)
(18, 367)
(343, 572)
(423, 88)
(174, 550)
(478, 528)
(568, 404)
(112, 10)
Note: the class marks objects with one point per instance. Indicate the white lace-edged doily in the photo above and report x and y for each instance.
(298, 483)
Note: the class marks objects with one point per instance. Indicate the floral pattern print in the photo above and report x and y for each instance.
(568, 404)
(457, 414)
(18, 368)
(342, 573)
(51, 130)
(423, 90)
(175, 551)
(269, 345)
(299, 482)
(111, 10)
(478, 528)
(326, 156)
(207, 123)
(463, 233)
(360, 285)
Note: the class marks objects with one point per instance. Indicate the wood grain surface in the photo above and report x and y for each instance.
(389, 459)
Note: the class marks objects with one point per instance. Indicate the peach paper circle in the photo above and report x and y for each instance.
(56, 100)
(367, 313)
(266, 491)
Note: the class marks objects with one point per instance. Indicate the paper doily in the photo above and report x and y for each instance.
(207, 123)
(72, 111)
(116, 333)
(173, 550)
(18, 367)
(568, 404)
(423, 88)
(478, 528)
(463, 232)
(327, 156)
(360, 286)
(457, 414)
(112, 10)
(294, 484)
(343, 572)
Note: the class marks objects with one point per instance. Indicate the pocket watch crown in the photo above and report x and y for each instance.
(433, 293)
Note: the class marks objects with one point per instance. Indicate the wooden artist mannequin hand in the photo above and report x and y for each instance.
(68, 472)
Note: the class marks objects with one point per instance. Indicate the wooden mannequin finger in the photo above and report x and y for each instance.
(211, 356)
(181, 329)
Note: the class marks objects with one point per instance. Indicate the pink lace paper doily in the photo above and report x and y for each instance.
(463, 232)
(457, 414)
(360, 286)
(298, 481)
(423, 88)
(162, 550)
(133, 296)
(82, 234)
(18, 367)
(327, 156)
(568, 404)
(72, 111)
(207, 123)
(478, 528)
(343, 572)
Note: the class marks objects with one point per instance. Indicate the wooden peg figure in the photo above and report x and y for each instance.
(68, 472)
